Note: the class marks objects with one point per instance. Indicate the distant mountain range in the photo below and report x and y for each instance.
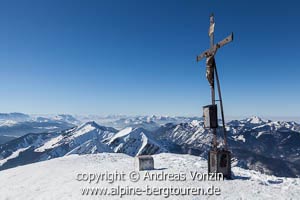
(271, 147)
(149, 123)
(263, 145)
(18, 124)
(14, 116)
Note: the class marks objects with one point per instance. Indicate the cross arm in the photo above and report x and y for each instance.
(225, 41)
(212, 51)
(201, 56)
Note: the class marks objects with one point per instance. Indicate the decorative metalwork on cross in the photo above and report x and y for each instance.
(219, 160)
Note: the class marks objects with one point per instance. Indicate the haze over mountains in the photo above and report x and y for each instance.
(18, 124)
(271, 147)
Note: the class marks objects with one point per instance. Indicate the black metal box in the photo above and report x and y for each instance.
(219, 161)
(210, 115)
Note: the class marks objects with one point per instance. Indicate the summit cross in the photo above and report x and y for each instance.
(211, 73)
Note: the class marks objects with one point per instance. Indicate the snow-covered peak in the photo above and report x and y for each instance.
(135, 141)
(255, 120)
(122, 133)
(87, 127)
(78, 136)
(92, 124)
(130, 132)
(85, 139)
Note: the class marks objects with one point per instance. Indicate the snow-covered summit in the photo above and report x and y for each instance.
(59, 179)
(135, 141)
(255, 120)
(89, 132)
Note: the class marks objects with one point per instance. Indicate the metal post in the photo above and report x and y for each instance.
(222, 111)
(213, 102)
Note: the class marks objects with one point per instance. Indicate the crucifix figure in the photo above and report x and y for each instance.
(217, 158)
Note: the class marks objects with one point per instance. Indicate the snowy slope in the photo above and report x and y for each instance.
(88, 138)
(192, 135)
(135, 141)
(85, 139)
(56, 179)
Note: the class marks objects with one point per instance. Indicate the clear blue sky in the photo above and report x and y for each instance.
(138, 57)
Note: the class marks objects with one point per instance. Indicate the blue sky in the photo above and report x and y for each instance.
(138, 57)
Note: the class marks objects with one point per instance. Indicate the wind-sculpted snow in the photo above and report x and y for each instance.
(60, 179)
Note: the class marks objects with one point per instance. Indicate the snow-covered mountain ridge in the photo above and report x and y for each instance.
(135, 141)
(88, 138)
(38, 147)
(271, 147)
(264, 145)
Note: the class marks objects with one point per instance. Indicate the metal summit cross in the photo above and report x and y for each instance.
(218, 160)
